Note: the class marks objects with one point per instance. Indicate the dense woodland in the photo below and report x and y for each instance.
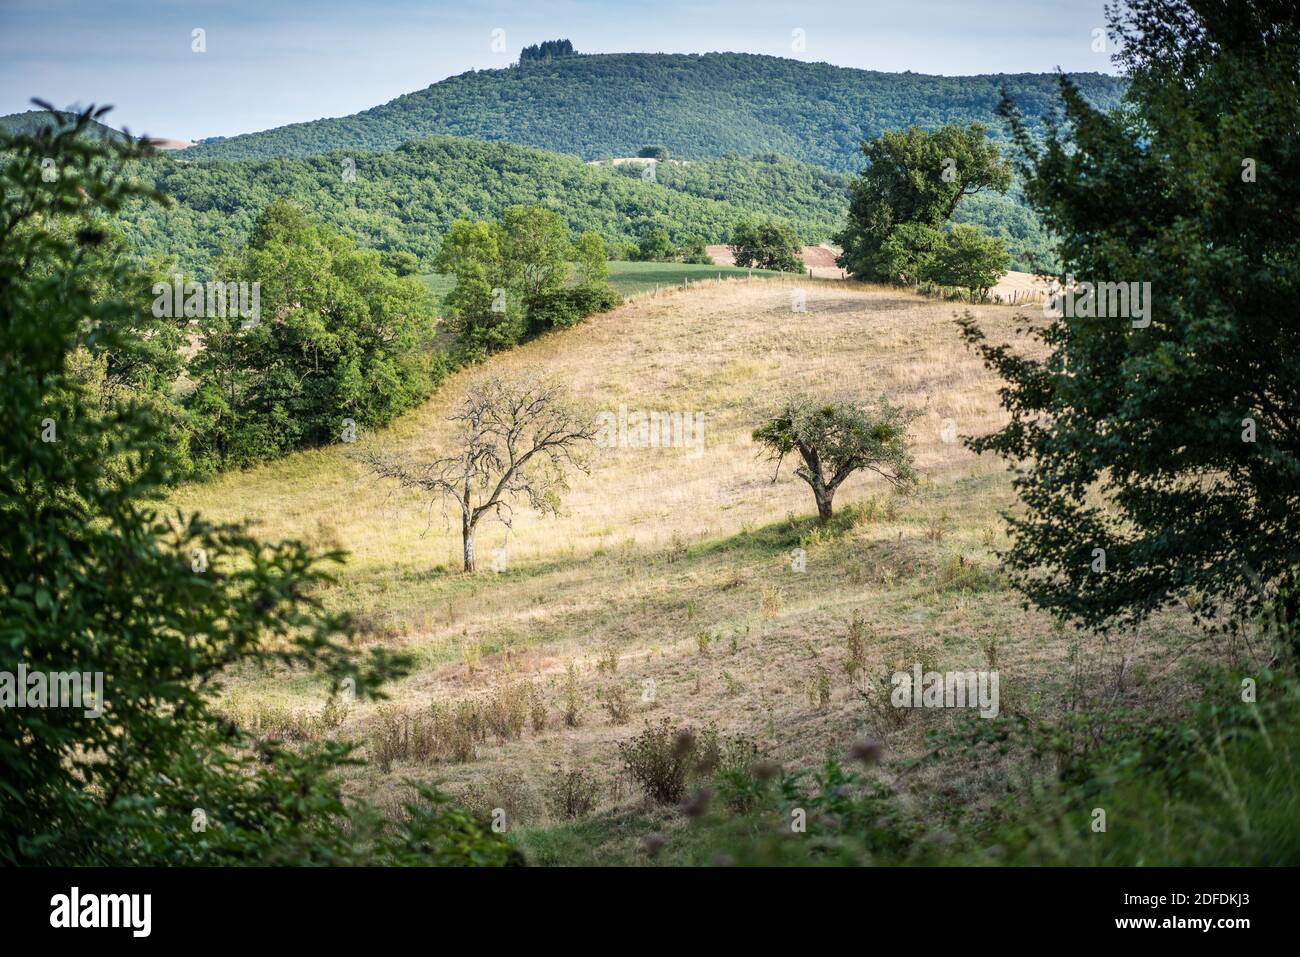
(787, 161)
(699, 106)
(407, 199)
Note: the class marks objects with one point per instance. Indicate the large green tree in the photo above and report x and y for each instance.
(769, 245)
(479, 309)
(914, 178)
(340, 343)
(1161, 447)
(535, 248)
(513, 277)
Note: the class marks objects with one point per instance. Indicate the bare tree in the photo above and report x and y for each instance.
(518, 439)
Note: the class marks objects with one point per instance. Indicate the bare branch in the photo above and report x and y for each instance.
(518, 439)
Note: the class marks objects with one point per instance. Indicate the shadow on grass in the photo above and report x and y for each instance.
(788, 533)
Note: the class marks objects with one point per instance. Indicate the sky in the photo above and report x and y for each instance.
(266, 63)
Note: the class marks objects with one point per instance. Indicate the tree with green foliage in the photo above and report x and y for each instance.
(535, 248)
(142, 359)
(768, 245)
(835, 439)
(118, 621)
(479, 310)
(546, 51)
(1161, 443)
(966, 258)
(591, 261)
(656, 246)
(340, 343)
(512, 278)
(907, 253)
(655, 152)
(914, 177)
(695, 251)
(400, 262)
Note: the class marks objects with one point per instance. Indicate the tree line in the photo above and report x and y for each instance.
(406, 201)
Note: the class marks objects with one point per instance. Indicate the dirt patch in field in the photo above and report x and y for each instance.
(820, 259)
(1020, 287)
(1015, 288)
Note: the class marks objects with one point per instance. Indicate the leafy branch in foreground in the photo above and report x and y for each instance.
(123, 621)
(1160, 452)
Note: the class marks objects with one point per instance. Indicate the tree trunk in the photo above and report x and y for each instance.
(823, 496)
(467, 538)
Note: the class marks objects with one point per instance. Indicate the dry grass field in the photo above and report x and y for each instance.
(666, 587)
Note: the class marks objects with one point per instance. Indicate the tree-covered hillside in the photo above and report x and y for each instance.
(697, 105)
(30, 121)
(407, 199)
(812, 198)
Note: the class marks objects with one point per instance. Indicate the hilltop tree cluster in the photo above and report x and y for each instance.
(546, 51)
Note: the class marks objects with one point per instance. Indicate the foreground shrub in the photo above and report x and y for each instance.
(1221, 787)
(571, 792)
(437, 834)
(152, 610)
(658, 760)
(663, 756)
(561, 308)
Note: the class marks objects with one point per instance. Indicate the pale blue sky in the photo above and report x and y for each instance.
(271, 62)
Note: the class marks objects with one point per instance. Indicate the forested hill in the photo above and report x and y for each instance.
(697, 105)
(33, 120)
(406, 199)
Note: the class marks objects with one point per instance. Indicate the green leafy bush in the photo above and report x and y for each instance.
(340, 338)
